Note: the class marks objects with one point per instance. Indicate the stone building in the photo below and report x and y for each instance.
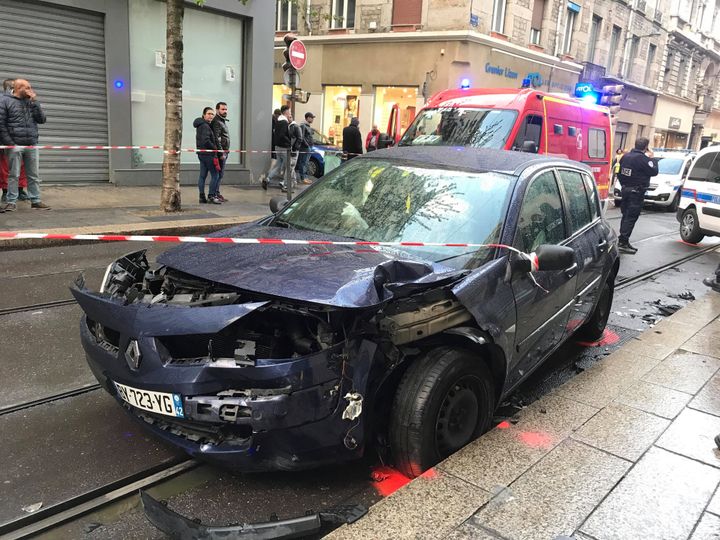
(366, 55)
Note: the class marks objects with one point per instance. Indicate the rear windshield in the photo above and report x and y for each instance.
(480, 128)
(670, 165)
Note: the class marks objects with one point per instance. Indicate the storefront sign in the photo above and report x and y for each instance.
(674, 122)
(501, 71)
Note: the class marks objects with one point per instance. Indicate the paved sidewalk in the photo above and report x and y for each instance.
(622, 451)
(131, 210)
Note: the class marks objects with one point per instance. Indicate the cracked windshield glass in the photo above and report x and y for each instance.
(375, 200)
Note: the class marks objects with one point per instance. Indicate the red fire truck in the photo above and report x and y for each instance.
(524, 119)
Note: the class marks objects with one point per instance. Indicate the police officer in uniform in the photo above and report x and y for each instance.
(636, 168)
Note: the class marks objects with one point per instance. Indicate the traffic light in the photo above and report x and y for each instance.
(611, 97)
(288, 39)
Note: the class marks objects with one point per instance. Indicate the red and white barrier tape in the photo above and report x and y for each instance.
(149, 147)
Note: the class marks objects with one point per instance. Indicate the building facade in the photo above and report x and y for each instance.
(98, 67)
(364, 56)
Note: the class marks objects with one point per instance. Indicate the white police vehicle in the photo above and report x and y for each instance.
(665, 188)
(699, 208)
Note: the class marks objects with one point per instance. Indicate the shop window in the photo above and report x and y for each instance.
(343, 14)
(406, 12)
(387, 96)
(498, 16)
(280, 90)
(341, 103)
(208, 78)
(597, 147)
(287, 15)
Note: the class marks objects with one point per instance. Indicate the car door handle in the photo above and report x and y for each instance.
(570, 272)
(602, 244)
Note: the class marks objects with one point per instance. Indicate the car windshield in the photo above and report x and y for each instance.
(391, 201)
(670, 165)
(481, 128)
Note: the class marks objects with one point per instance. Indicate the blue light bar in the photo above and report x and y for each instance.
(465, 84)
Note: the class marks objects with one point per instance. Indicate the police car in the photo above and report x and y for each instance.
(699, 208)
(665, 188)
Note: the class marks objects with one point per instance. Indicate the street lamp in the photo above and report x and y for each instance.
(626, 52)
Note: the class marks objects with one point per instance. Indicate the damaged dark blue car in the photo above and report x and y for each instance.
(288, 356)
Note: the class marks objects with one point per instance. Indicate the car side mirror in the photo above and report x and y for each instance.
(384, 141)
(550, 257)
(530, 147)
(277, 204)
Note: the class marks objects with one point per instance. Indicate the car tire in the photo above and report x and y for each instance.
(313, 168)
(445, 400)
(594, 327)
(617, 203)
(690, 227)
(674, 204)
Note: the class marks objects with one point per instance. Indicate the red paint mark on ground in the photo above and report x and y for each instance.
(535, 439)
(388, 480)
(609, 338)
(430, 474)
(503, 425)
(698, 245)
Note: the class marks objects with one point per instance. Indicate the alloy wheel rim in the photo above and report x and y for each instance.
(688, 224)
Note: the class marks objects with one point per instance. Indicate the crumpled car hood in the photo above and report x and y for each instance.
(339, 276)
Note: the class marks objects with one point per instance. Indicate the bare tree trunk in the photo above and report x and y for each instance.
(170, 199)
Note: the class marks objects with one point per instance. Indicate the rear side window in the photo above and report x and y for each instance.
(578, 204)
(541, 217)
(700, 171)
(714, 175)
(530, 130)
(592, 196)
(596, 145)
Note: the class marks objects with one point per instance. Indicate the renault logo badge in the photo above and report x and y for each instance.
(132, 354)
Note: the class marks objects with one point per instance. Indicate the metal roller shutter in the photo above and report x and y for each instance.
(61, 51)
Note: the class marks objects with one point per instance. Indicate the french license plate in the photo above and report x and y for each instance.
(157, 402)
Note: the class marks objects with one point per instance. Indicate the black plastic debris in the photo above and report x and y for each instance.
(687, 295)
(665, 309)
(181, 528)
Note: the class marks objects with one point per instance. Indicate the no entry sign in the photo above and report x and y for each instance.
(298, 54)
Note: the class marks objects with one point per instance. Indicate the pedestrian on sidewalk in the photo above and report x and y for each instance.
(7, 89)
(371, 141)
(636, 168)
(306, 143)
(352, 139)
(222, 134)
(273, 154)
(296, 141)
(209, 162)
(20, 114)
(283, 143)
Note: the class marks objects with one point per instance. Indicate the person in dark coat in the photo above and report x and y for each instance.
(20, 114)
(352, 139)
(636, 168)
(209, 161)
(7, 89)
(222, 134)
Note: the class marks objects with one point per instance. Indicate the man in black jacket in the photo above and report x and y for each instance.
(20, 115)
(636, 168)
(352, 139)
(222, 134)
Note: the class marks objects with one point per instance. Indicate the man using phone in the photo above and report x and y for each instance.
(20, 114)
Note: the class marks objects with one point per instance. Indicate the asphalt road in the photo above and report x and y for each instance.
(69, 446)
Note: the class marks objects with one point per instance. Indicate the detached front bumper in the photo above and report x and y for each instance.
(278, 414)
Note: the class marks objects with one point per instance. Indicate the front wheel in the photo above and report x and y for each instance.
(675, 203)
(444, 401)
(313, 168)
(594, 328)
(690, 227)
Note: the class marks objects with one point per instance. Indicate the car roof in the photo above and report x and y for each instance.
(471, 159)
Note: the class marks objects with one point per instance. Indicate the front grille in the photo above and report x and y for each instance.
(106, 337)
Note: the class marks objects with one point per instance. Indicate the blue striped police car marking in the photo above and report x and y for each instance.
(702, 197)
